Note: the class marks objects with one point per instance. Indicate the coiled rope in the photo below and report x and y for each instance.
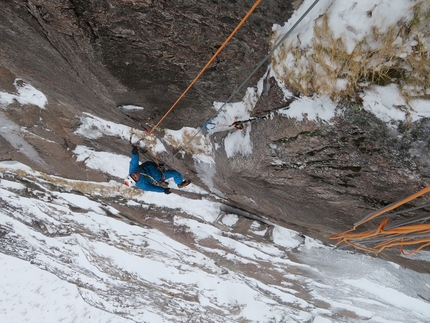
(397, 234)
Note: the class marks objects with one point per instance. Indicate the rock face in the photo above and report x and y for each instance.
(94, 55)
(130, 52)
(320, 178)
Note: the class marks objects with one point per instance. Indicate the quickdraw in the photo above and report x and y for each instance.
(239, 125)
(209, 125)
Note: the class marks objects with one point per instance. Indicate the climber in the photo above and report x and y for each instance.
(151, 177)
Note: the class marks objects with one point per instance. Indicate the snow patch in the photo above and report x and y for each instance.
(26, 94)
(318, 108)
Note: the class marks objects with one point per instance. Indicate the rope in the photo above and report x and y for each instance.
(257, 68)
(392, 206)
(237, 124)
(208, 63)
(266, 57)
(398, 234)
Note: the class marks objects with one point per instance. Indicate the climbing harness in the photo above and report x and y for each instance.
(162, 167)
(162, 182)
(402, 233)
(208, 63)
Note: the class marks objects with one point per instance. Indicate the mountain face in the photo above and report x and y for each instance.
(94, 56)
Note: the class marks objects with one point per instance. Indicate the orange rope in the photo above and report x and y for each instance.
(394, 236)
(393, 206)
(208, 63)
(416, 250)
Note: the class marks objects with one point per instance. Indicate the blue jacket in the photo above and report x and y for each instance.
(149, 168)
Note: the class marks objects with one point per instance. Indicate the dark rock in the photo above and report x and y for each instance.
(143, 53)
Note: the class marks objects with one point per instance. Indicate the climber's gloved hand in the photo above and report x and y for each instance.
(134, 150)
(167, 191)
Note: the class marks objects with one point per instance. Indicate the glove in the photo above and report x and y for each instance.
(134, 151)
(167, 191)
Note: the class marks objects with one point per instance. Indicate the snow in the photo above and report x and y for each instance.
(11, 132)
(230, 219)
(201, 148)
(35, 293)
(360, 28)
(93, 127)
(318, 108)
(131, 107)
(115, 272)
(285, 237)
(26, 94)
(382, 101)
(238, 142)
(349, 21)
(421, 109)
(392, 296)
(97, 160)
(64, 259)
(352, 21)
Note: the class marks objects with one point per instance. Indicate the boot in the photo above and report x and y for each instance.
(184, 183)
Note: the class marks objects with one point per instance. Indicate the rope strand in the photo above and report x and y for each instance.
(256, 69)
(208, 63)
